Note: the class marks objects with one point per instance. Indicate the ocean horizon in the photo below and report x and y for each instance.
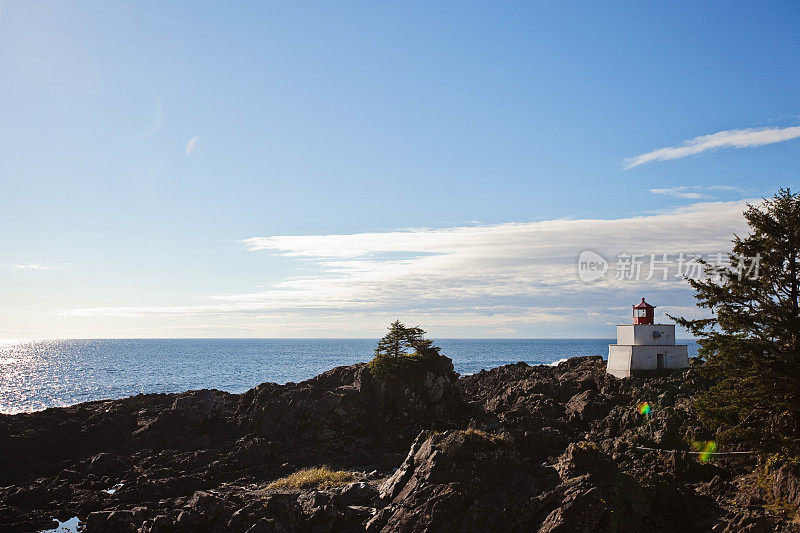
(38, 374)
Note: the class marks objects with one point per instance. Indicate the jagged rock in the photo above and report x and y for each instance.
(161, 524)
(356, 493)
(516, 448)
(786, 486)
(111, 521)
(106, 464)
(749, 522)
(207, 505)
(283, 513)
(581, 510)
(349, 405)
(457, 480)
(251, 450)
(197, 406)
(584, 458)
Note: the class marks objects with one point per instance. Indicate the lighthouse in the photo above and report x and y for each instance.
(644, 347)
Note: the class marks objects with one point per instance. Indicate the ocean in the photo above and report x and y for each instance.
(35, 375)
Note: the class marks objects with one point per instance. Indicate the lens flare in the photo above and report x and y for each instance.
(644, 408)
(708, 449)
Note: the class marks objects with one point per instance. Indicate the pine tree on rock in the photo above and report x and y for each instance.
(405, 341)
(405, 354)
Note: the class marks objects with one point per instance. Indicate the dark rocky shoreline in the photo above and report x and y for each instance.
(516, 448)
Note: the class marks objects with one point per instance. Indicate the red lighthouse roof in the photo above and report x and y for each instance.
(643, 313)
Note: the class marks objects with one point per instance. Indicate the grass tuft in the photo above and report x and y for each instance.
(475, 433)
(472, 440)
(320, 477)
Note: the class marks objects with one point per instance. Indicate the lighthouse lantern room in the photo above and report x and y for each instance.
(643, 313)
(645, 347)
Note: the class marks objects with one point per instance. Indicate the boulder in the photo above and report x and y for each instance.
(356, 493)
(106, 464)
(465, 480)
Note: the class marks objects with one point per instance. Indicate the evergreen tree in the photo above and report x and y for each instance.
(405, 341)
(405, 354)
(751, 341)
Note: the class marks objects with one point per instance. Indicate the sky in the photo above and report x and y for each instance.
(318, 169)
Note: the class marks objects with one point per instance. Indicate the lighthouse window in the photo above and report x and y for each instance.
(639, 313)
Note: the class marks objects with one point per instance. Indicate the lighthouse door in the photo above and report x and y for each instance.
(660, 360)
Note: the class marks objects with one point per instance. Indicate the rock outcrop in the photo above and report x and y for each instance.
(516, 448)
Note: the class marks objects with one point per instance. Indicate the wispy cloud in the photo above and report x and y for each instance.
(696, 192)
(744, 138)
(191, 145)
(502, 275)
(28, 266)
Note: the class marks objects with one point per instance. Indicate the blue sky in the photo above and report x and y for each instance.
(187, 169)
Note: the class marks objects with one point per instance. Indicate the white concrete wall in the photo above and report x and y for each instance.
(624, 360)
(642, 334)
(619, 361)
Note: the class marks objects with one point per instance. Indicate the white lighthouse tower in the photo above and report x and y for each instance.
(644, 347)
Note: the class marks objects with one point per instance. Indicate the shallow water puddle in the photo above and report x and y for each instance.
(68, 526)
(114, 489)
